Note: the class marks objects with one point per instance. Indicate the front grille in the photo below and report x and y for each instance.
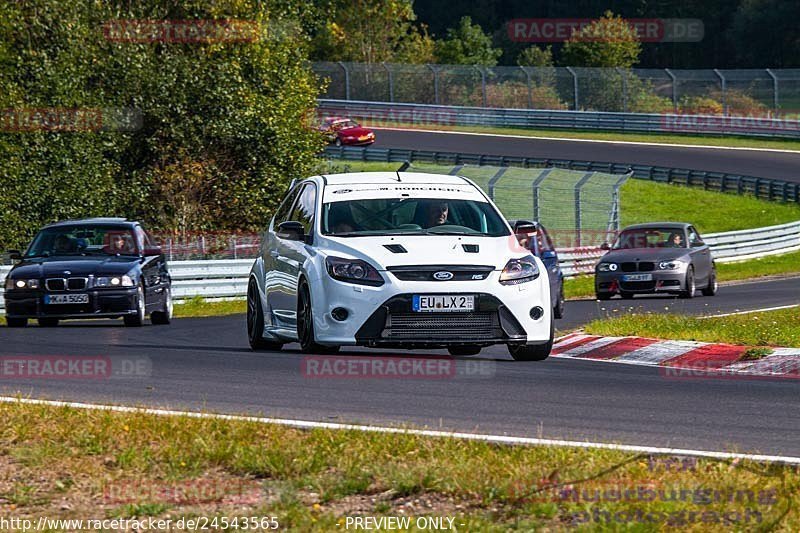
(439, 326)
(76, 284)
(426, 272)
(644, 266)
(55, 284)
(637, 285)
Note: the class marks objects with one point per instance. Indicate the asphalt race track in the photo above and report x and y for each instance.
(205, 364)
(760, 163)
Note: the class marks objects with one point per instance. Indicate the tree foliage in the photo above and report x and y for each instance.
(467, 44)
(224, 124)
(607, 42)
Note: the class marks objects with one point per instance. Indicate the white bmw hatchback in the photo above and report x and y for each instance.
(404, 260)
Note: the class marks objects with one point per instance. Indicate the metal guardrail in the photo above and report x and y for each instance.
(766, 189)
(376, 113)
(227, 278)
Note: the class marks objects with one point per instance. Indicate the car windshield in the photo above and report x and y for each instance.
(343, 124)
(650, 238)
(83, 240)
(411, 216)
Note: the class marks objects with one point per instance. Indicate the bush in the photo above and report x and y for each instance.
(223, 124)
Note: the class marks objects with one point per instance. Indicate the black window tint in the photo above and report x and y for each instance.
(282, 214)
(303, 211)
(543, 239)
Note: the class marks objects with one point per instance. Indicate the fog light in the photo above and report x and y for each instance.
(340, 314)
(537, 313)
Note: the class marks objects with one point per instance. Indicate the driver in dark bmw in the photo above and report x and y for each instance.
(93, 268)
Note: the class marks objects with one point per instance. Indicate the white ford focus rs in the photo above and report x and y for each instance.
(405, 260)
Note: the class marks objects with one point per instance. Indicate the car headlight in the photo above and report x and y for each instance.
(21, 283)
(607, 267)
(519, 271)
(113, 281)
(670, 265)
(353, 271)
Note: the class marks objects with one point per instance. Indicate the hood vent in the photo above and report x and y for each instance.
(396, 248)
(470, 248)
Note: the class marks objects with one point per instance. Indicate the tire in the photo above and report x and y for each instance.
(603, 296)
(16, 322)
(47, 322)
(305, 325)
(533, 352)
(558, 310)
(163, 317)
(462, 350)
(137, 320)
(255, 321)
(689, 284)
(626, 295)
(712, 287)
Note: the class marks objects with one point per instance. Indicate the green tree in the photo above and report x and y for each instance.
(535, 56)
(373, 31)
(467, 44)
(607, 42)
(224, 123)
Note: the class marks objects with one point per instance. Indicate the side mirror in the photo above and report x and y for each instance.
(524, 226)
(291, 231)
(155, 250)
(605, 246)
(14, 255)
(697, 244)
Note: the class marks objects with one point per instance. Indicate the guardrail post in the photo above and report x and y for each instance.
(574, 86)
(346, 80)
(435, 83)
(391, 81)
(674, 88)
(723, 87)
(774, 89)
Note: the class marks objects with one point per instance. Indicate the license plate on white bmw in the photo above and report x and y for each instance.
(426, 303)
(637, 277)
(61, 299)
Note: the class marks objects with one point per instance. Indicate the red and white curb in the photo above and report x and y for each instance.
(679, 358)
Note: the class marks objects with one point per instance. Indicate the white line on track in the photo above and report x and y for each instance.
(497, 439)
(640, 143)
(761, 310)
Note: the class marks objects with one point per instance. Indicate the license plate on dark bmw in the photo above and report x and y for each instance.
(426, 303)
(637, 277)
(61, 299)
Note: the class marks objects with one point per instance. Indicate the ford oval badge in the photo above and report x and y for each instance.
(442, 275)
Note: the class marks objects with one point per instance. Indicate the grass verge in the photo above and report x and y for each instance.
(198, 307)
(65, 463)
(768, 328)
(690, 140)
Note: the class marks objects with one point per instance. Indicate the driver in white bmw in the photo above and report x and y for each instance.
(404, 260)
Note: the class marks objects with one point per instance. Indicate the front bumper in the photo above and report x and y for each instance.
(382, 316)
(662, 281)
(105, 303)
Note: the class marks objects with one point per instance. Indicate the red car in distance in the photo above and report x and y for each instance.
(341, 130)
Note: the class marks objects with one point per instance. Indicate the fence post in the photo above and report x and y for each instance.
(493, 180)
(621, 72)
(483, 84)
(435, 83)
(346, 80)
(574, 86)
(774, 89)
(723, 87)
(530, 93)
(578, 186)
(391, 81)
(535, 186)
(674, 88)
